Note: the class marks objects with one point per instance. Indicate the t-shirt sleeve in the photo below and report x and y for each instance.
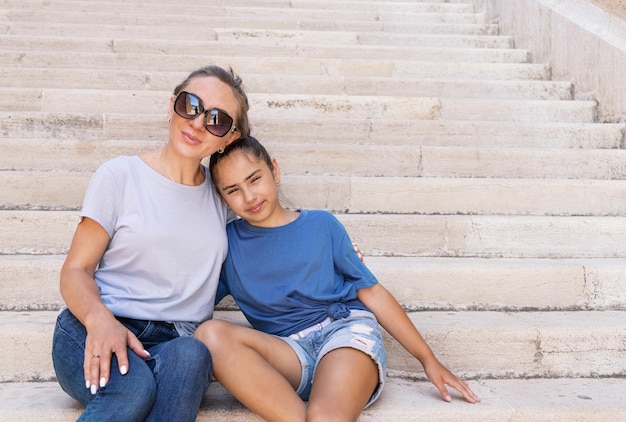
(346, 259)
(101, 199)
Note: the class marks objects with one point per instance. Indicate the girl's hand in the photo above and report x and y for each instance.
(358, 252)
(440, 377)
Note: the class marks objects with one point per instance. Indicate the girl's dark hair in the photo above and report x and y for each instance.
(248, 144)
(230, 78)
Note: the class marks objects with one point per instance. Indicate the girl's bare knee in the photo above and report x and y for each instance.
(213, 333)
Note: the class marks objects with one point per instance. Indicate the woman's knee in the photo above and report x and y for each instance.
(185, 355)
(192, 350)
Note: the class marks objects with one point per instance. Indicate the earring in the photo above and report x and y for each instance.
(221, 150)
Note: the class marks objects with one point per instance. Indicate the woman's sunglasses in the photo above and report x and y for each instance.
(216, 121)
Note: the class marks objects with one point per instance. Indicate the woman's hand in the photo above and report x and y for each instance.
(106, 336)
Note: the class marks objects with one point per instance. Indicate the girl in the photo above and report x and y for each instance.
(314, 306)
(143, 261)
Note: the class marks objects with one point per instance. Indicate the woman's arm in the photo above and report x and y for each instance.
(105, 335)
(392, 318)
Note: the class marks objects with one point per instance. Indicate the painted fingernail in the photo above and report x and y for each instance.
(103, 382)
(87, 383)
(447, 398)
(94, 388)
(123, 370)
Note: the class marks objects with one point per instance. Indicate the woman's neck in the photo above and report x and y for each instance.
(180, 171)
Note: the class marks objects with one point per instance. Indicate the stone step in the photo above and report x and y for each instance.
(234, 33)
(145, 21)
(443, 37)
(31, 283)
(52, 100)
(422, 26)
(488, 236)
(345, 159)
(151, 75)
(36, 190)
(420, 108)
(157, 8)
(521, 345)
(145, 56)
(363, 38)
(50, 232)
(531, 400)
(60, 78)
(114, 126)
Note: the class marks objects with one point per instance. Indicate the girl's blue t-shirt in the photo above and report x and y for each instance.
(285, 279)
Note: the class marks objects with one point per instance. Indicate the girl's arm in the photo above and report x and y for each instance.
(105, 335)
(392, 318)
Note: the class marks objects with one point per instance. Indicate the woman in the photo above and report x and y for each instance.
(145, 261)
(314, 306)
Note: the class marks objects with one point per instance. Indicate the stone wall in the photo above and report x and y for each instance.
(582, 42)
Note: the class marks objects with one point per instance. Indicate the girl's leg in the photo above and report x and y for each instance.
(260, 370)
(182, 370)
(125, 398)
(344, 381)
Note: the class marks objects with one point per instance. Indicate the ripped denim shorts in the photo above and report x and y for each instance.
(360, 330)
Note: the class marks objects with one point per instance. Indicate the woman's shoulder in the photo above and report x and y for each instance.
(121, 162)
(120, 167)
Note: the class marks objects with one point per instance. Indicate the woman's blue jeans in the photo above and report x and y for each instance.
(168, 386)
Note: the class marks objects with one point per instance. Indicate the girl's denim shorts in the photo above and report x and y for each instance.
(360, 330)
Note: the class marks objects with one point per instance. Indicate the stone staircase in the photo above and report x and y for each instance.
(487, 199)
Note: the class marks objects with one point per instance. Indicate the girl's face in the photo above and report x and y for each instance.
(250, 188)
(190, 138)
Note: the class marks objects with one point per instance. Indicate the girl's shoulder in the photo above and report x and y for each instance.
(319, 216)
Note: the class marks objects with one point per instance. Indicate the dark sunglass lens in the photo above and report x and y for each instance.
(188, 105)
(218, 122)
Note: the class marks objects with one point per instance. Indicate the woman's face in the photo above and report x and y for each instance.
(189, 136)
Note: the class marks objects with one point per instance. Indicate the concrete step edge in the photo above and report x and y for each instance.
(532, 400)
(376, 13)
(522, 345)
(58, 78)
(162, 7)
(343, 159)
(352, 194)
(460, 72)
(421, 27)
(86, 129)
(141, 55)
(311, 106)
(50, 232)
(435, 284)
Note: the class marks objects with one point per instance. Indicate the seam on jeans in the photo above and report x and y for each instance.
(79, 343)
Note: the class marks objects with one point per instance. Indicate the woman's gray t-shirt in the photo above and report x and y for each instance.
(168, 243)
